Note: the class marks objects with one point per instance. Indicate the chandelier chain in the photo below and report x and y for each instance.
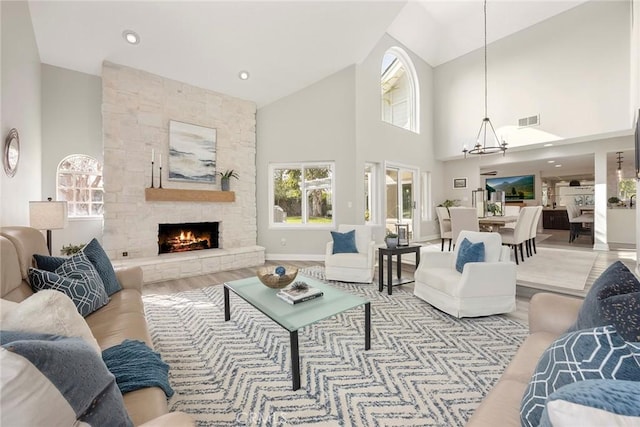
(485, 60)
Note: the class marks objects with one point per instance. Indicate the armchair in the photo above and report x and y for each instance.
(482, 289)
(352, 267)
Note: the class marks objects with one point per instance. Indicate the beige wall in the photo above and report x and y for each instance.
(137, 107)
(20, 75)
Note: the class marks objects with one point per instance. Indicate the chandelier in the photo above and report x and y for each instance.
(494, 144)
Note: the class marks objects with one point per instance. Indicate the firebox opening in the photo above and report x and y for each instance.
(188, 236)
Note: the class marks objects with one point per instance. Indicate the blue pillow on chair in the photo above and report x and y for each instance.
(344, 243)
(469, 252)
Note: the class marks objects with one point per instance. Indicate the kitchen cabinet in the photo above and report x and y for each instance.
(555, 219)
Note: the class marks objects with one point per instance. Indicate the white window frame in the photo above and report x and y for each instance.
(374, 194)
(73, 212)
(427, 210)
(302, 165)
(413, 97)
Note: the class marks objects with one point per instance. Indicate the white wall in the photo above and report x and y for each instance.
(572, 69)
(71, 124)
(339, 119)
(21, 110)
(314, 124)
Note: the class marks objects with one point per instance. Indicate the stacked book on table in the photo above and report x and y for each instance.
(299, 292)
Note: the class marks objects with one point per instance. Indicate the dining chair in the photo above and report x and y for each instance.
(517, 236)
(511, 211)
(463, 219)
(531, 242)
(445, 225)
(577, 222)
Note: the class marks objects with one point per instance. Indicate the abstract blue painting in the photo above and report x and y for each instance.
(192, 152)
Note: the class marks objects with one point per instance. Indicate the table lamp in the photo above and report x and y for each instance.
(48, 216)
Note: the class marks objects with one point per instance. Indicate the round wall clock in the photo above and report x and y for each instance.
(11, 152)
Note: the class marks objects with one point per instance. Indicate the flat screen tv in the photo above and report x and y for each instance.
(520, 187)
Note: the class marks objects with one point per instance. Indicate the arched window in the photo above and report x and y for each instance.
(80, 185)
(399, 90)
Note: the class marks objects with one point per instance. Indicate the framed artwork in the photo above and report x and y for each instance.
(459, 183)
(192, 153)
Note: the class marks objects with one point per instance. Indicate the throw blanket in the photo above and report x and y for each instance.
(136, 366)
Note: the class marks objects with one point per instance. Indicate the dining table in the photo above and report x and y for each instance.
(492, 223)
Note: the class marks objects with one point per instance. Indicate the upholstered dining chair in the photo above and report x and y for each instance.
(531, 242)
(517, 236)
(445, 225)
(482, 288)
(463, 219)
(352, 266)
(511, 211)
(578, 221)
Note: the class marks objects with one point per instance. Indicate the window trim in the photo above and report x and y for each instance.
(301, 165)
(414, 89)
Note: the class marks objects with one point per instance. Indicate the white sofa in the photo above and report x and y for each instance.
(482, 289)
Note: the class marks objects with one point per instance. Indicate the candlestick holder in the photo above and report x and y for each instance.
(151, 174)
(160, 186)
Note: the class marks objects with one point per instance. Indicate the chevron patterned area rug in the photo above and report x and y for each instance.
(424, 368)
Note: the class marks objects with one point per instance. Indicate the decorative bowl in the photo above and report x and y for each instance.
(273, 280)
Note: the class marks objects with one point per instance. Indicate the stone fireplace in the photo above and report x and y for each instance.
(137, 107)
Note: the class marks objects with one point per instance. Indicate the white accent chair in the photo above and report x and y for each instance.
(445, 225)
(482, 289)
(352, 267)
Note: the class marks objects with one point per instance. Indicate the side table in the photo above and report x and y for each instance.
(389, 253)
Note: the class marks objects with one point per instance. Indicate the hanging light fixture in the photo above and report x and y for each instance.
(619, 153)
(493, 145)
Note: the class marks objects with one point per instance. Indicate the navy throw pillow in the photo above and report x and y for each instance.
(344, 243)
(469, 252)
(623, 312)
(48, 263)
(100, 261)
(615, 280)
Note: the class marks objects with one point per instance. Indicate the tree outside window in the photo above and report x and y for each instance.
(302, 194)
(80, 185)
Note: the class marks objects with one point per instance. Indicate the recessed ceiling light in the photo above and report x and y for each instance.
(243, 75)
(548, 144)
(551, 161)
(558, 166)
(131, 37)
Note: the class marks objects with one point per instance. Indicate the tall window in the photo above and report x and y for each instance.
(399, 90)
(302, 194)
(80, 185)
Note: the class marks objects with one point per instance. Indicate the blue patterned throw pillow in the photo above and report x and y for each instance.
(594, 402)
(78, 279)
(101, 262)
(344, 243)
(590, 354)
(469, 252)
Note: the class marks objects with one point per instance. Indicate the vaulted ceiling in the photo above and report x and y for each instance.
(284, 45)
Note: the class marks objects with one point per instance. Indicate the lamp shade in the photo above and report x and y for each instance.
(48, 215)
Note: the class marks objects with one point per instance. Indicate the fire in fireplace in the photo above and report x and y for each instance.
(188, 236)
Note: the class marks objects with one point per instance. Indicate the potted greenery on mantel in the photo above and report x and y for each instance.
(226, 177)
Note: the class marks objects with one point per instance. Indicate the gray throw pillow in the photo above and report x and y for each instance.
(101, 262)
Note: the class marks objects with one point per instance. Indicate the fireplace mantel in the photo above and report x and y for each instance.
(176, 195)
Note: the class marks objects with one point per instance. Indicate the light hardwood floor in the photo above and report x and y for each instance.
(558, 238)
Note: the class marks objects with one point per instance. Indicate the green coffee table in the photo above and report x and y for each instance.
(294, 317)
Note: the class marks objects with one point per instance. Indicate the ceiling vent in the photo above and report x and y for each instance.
(529, 121)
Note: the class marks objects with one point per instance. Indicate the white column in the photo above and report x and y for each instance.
(600, 212)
